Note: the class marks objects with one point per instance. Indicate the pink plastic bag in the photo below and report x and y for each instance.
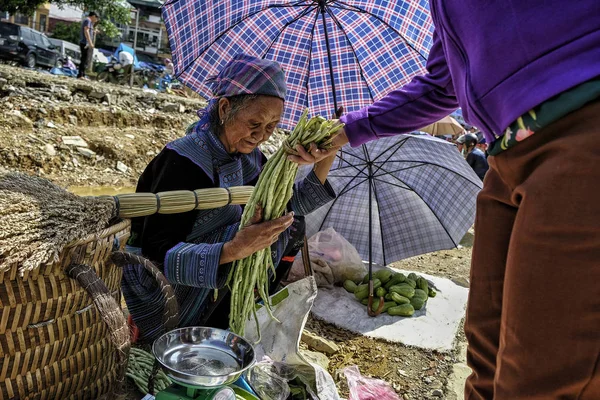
(362, 388)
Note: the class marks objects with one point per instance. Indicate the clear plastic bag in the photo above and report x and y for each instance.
(332, 257)
(265, 378)
(362, 388)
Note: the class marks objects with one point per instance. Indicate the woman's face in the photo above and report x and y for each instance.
(251, 126)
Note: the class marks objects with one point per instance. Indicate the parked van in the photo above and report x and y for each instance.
(66, 49)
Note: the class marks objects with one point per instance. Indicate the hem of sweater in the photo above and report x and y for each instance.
(525, 93)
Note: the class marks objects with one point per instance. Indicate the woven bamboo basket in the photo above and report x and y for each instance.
(54, 343)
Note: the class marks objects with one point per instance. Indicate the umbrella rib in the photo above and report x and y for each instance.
(393, 184)
(344, 191)
(312, 36)
(356, 8)
(386, 172)
(352, 155)
(428, 206)
(362, 72)
(295, 4)
(394, 149)
(423, 163)
(300, 15)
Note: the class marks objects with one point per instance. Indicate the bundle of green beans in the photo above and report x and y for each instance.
(139, 368)
(273, 191)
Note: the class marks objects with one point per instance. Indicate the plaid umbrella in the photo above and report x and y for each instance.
(346, 53)
(399, 197)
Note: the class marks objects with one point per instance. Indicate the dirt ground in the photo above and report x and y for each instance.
(32, 131)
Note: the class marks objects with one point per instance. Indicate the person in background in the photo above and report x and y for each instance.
(86, 42)
(169, 70)
(69, 64)
(467, 145)
(533, 88)
(126, 61)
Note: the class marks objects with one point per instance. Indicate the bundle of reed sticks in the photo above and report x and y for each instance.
(132, 205)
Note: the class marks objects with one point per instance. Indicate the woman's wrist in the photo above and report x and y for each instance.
(227, 255)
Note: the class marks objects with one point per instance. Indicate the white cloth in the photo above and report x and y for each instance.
(125, 58)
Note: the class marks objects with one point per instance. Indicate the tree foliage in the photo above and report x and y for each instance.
(110, 11)
(68, 32)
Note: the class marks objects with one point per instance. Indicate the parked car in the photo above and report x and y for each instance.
(26, 46)
(66, 49)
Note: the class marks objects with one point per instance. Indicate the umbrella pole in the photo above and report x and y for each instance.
(370, 310)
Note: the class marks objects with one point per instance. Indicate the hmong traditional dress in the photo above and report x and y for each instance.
(187, 246)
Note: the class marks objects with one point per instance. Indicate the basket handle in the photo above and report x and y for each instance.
(109, 311)
(171, 316)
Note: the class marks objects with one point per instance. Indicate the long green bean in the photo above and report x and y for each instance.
(273, 191)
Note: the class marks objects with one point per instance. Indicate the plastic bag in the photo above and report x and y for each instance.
(362, 388)
(267, 381)
(331, 256)
(280, 338)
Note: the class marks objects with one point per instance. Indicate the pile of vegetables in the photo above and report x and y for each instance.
(402, 294)
(139, 368)
(272, 191)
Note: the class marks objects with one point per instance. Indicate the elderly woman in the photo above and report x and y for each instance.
(196, 249)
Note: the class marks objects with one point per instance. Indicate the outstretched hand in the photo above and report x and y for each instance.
(316, 154)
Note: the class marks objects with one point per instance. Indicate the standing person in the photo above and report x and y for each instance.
(533, 88)
(467, 145)
(86, 42)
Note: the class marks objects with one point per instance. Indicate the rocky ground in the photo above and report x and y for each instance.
(90, 136)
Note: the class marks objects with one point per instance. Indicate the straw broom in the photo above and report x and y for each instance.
(131, 205)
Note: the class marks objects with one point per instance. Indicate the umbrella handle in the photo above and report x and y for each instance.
(379, 309)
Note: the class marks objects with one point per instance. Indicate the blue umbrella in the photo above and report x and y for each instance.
(399, 197)
(346, 53)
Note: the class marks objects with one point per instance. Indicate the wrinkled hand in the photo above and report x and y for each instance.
(315, 154)
(255, 236)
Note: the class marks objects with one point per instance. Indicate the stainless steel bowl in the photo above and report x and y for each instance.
(204, 357)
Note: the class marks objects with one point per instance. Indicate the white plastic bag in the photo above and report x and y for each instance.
(332, 258)
(280, 339)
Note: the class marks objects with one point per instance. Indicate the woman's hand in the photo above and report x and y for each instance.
(255, 236)
(315, 154)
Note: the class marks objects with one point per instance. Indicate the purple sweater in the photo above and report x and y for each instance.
(496, 60)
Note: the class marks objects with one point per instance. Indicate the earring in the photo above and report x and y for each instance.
(222, 122)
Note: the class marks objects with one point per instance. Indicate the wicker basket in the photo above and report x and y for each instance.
(54, 344)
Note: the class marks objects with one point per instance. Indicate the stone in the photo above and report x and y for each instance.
(43, 111)
(129, 136)
(72, 119)
(437, 393)
(95, 94)
(74, 141)
(170, 107)
(51, 125)
(316, 357)
(50, 150)
(122, 167)
(75, 162)
(16, 119)
(318, 343)
(86, 152)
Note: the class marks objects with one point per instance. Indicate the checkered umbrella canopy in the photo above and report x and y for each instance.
(335, 53)
(400, 197)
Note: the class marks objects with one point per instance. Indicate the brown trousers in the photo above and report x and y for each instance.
(533, 316)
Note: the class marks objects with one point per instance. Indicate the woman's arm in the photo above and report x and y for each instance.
(425, 100)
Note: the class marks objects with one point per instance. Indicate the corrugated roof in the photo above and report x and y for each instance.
(146, 3)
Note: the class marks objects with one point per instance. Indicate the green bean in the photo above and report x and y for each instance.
(273, 190)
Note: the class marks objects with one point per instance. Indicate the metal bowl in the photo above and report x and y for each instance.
(204, 357)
